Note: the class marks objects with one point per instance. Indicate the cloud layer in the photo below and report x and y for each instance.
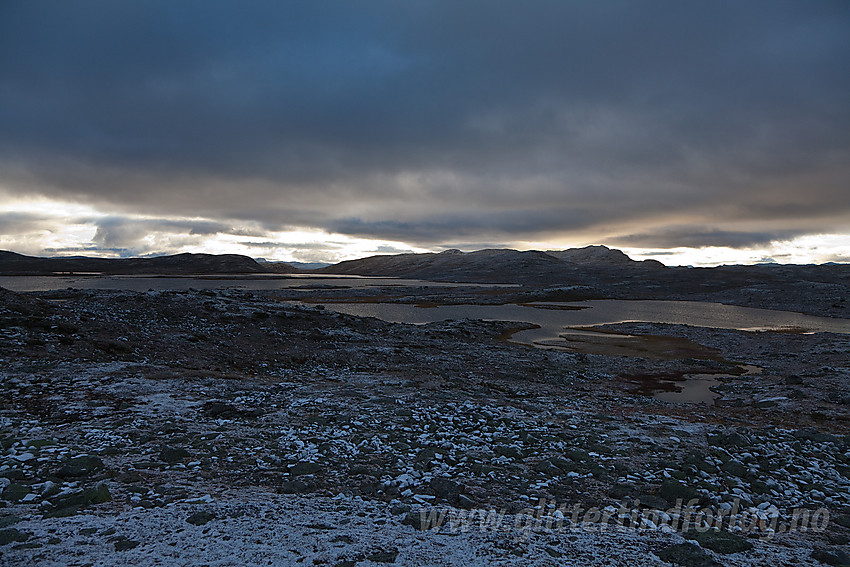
(651, 123)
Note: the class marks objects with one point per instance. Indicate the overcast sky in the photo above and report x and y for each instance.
(697, 132)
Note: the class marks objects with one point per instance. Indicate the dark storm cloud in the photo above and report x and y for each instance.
(698, 237)
(17, 223)
(431, 121)
(450, 226)
(116, 231)
(325, 246)
(77, 250)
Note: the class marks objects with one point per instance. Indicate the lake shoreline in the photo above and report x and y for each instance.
(205, 413)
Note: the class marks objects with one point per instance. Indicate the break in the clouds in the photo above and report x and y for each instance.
(414, 125)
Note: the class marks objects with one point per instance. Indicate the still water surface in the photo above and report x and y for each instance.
(250, 282)
(554, 322)
(553, 318)
(558, 324)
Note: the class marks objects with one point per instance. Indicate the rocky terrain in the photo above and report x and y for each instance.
(229, 427)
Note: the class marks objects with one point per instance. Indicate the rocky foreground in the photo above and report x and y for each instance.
(236, 428)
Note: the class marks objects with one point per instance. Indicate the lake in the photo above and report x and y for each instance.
(555, 319)
(256, 282)
(564, 326)
(561, 325)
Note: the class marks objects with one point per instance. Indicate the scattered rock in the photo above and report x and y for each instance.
(446, 489)
(719, 541)
(173, 455)
(293, 487)
(464, 501)
(200, 518)
(15, 492)
(842, 520)
(383, 556)
(508, 451)
(735, 468)
(831, 556)
(80, 467)
(578, 455)
(422, 520)
(12, 474)
(354, 428)
(653, 502)
(816, 436)
(687, 554)
(305, 468)
(672, 490)
(125, 544)
(426, 455)
(12, 535)
(223, 410)
(553, 552)
(547, 467)
(6, 521)
(728, 440)
(70, 504)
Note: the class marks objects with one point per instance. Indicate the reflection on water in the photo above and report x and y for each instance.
(573, 330)
(255, 282)
(559, 325)
(553, 323)
(643, 346)
(695, 389)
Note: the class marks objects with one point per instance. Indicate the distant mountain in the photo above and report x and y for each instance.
(12, 263)
(599, 271)
(493, 265)
(451, 264)
(299, 265)
(599, 256)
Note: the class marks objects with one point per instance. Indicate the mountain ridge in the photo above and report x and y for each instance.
(12, 263)
(491, 264)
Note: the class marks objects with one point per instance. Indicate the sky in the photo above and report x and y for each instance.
(694, 133)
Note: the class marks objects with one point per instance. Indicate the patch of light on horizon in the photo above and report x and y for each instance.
(298, 246)
(51, 242)
(808, 249)
(71, 227)
(709, 256)
(49, 207)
